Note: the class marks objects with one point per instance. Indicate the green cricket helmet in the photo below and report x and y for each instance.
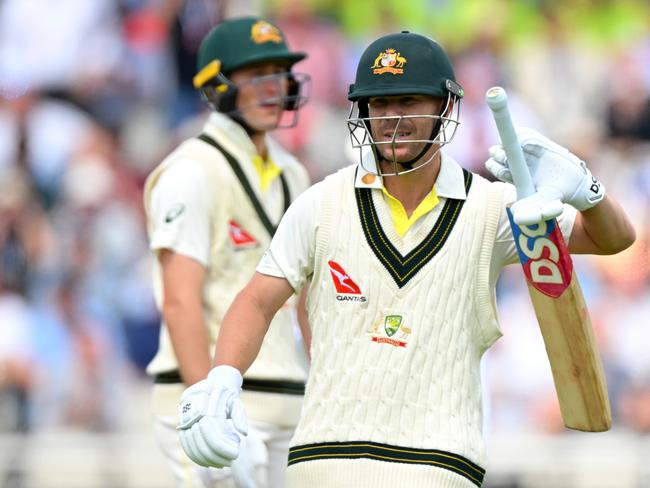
(404, 64)
(237, 43)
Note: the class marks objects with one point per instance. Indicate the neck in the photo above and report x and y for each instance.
(411, 188)
(259, 140)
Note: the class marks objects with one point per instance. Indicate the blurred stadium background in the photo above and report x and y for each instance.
(93, 93)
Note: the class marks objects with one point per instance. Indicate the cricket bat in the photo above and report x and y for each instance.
(556, 296)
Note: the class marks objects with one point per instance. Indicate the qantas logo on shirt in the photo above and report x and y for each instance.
(238, 236)
(346, 288)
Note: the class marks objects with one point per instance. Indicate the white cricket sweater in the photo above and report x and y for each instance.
(394, 395)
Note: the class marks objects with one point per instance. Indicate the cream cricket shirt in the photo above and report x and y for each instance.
(399, 326)
(197, 207)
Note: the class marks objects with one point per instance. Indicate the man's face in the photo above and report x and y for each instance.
(261, 93)
(409, 129)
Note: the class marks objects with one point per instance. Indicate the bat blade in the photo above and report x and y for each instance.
(577, 371)
(556, 296)
(565, 325)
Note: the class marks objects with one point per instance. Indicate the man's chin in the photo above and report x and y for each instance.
(263, 124)
(399, 155)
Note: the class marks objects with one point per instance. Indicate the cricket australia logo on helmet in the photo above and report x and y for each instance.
(262, 31)
(347, 290)
(389, 61)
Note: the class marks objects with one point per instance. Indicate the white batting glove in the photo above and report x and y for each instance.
(558, 175)
(211, 418)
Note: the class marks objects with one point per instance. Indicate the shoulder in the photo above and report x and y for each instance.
(345, 174)
(311, 198)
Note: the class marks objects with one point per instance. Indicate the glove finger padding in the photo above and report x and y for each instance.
(220, 436)
(210, 415)
(498, 154)
(498, 170)
(542, 205)
(188, 442)
(211, 455)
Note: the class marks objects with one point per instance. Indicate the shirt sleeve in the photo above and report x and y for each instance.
(505, 251)
(291, 253)
(180, 211)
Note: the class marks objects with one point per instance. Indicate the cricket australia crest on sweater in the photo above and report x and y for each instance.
(346, 289)
(390, 328)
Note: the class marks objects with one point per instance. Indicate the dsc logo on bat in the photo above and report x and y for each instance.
(544, 256)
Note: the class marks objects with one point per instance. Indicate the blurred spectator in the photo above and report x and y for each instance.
(191, 20)
(47, 46)
(320, 139)
(477, 71)
(628, 97)
(39, 134)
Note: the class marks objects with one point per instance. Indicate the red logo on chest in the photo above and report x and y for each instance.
(342, 280)
(238, 236)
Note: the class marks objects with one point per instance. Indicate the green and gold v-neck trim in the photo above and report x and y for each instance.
(403, 268)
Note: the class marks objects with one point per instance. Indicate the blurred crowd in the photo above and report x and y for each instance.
(94, 93)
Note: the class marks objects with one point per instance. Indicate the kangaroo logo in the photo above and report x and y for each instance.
(393, 324)
(389, 61)
(342, 281)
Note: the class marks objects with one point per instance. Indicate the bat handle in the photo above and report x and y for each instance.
(497, 100)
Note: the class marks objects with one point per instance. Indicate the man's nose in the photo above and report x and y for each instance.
(270, 86)
(393, 109)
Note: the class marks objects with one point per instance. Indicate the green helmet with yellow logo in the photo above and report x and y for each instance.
(404, 64)
(234, 44)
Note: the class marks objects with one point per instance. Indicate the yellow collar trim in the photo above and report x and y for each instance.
(267, 171)
(401, 221)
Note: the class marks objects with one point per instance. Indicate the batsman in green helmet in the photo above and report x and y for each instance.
(212, 207)
(400, 255)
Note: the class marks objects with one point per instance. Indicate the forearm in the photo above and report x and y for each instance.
(242, 332)
(190, 339)
(247, 320)
(602, 229)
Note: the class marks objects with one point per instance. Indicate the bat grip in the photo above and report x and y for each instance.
(497, 100)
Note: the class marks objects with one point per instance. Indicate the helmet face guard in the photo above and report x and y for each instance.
(398, 65)
(221, 95)
(362, 139)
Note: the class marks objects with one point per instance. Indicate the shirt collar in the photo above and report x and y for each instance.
(222, 126)
(450, 182)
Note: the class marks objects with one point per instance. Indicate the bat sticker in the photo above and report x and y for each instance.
(543, 255)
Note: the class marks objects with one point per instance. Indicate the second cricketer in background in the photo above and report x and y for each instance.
(209, 226)
(404, 251)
